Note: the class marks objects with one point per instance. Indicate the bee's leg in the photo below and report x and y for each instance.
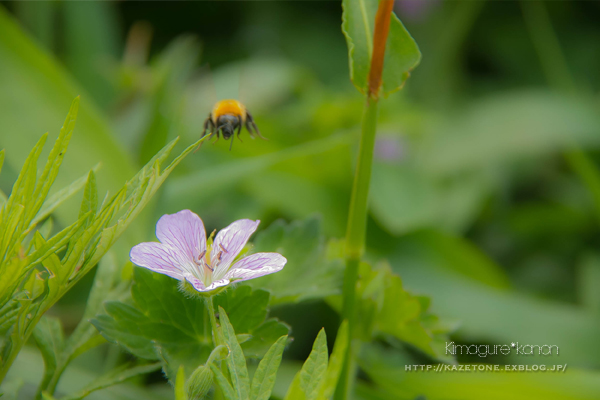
(208, 126)
(216, 134)
(250, 123)
(239, 131)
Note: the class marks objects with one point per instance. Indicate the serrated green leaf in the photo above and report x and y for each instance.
(9, 312)
(309, 273)
(55, 159)
(89, 205)
(385, 307)
(264, 377)
(163, 318)
(245, 307)
(402, 54)
(236, 362)
(223, 383)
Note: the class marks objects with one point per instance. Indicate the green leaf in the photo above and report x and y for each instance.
(13, 216)
(236, 362)
(55, 159)
(294, 391)
(116, 376)
(308, 380)
(398, 313)
(89, 205)
(223, 383)
(89, 238)
(336, 361)
(245, 307)
(162, 319)
(313, 370)
(264, 377)
(180, 392)
(402, 54)
(309, 273)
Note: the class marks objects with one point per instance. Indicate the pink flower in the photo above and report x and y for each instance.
(184, 254)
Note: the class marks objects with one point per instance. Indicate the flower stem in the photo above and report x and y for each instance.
(216, 333)
(217, 341)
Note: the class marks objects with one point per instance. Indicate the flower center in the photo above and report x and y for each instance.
(204, 261)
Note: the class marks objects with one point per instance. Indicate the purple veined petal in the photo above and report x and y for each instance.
(199, 285)
(183, 231)
(229, 242)
(256, 265)
(158, 258)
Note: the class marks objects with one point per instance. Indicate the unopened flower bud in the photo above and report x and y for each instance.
(199, 383)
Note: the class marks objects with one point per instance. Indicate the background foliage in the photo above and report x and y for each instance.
(485, 194)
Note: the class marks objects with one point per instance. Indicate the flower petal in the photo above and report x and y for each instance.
(256, 265)
(158, 258)
(229, 242)
(199, 285)
(183, 231)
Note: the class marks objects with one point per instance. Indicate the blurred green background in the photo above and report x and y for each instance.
(485, 192)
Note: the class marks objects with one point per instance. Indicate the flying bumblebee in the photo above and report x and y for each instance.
(227, 117)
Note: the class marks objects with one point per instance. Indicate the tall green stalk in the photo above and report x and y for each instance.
(357, 218)
(355, 237)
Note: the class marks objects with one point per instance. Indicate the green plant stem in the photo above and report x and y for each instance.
(213, 322)
(357, 218)
(355, 239)
(217, 340)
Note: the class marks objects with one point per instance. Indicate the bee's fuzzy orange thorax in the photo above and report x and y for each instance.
(224, 107)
